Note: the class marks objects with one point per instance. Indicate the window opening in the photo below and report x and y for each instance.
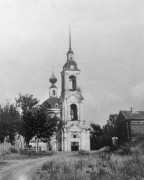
(74, 135)
(72, 67)
(73, 112)
(72, 83)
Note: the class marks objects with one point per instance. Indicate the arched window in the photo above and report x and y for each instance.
(56, 105)
(72, 67)
(54, 92)
(72, 83)
(73, 112)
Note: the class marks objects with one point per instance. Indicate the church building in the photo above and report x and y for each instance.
(69, 107)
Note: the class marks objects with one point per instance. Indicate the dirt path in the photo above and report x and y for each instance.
(23, 169)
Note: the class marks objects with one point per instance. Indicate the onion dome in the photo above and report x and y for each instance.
(53, 79)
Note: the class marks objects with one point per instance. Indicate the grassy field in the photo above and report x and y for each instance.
(7, 155)
(127, 163)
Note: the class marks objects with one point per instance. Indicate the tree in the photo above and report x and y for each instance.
(59, 130)
(44, 125)
(95, 133)
(27, 105)
(9, 121)
(35, 120)
(110, 129)
(3, 125)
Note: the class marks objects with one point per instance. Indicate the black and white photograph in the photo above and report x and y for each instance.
(71, 89)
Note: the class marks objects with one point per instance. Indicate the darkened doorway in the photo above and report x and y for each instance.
(74, 146)
(73, 112)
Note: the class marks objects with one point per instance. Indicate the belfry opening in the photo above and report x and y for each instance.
(72, 83)
(73, 112)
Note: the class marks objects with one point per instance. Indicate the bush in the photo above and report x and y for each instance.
(4, 152)
(83, 153)
(29, 153)
(124, 150)
(13, 150)
(101, 142)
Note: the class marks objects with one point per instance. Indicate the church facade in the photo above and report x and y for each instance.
(69, 107)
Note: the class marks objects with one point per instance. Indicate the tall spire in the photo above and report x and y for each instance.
(70, 54)
(69, 38)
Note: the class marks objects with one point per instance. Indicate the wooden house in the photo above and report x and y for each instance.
(130, 125)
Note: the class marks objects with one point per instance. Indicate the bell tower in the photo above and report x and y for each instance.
(71, 94)
(75, 134)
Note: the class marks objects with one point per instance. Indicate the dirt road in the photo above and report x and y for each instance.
(23, 169)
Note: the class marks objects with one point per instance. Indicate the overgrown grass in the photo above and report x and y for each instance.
(36, 154)
(13, 154)
(127, 163)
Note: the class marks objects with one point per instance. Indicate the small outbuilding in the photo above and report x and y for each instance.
(130, 125)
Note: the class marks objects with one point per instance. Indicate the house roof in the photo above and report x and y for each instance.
(133, 115)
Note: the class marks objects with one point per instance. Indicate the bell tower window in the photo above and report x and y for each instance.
(72, 83)
(54, 92)
(72, 67)
(73, 112)
(70, 56)
(56, 105)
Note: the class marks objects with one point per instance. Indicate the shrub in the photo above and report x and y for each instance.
(102, 141)
(4, 152)
(83, 152)
(13, 150)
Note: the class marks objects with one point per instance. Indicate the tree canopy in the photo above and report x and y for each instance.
(9, 121)
(110, 128)
(95, 133)
(27, 104)
(43, 124)
(35, 120)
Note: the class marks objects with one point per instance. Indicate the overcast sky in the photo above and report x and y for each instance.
(107, 39)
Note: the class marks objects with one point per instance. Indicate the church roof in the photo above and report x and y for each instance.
(71, 65)
(51, 102)
(133, 115)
